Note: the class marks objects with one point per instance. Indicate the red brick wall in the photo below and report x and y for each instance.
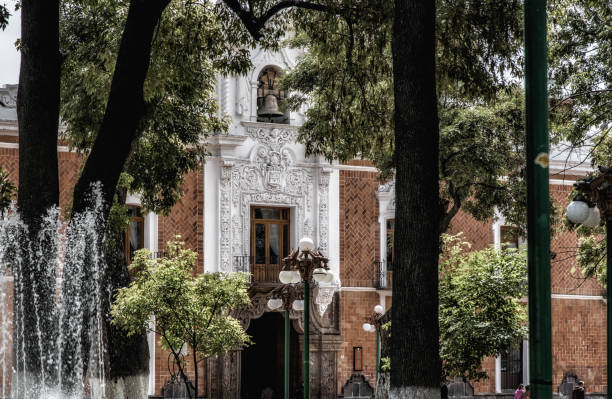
(162, 373)
(359, 228)
(355, 306)
(579, 341)
(186, 217)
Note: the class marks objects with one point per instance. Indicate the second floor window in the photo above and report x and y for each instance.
(269, 235)
(389, 246)
(134, 235)
(509, 237)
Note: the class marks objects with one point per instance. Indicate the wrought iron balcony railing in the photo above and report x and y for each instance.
(384, 275)
(262, 269)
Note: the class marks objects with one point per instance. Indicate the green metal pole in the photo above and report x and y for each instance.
(377, 353)
(286, 352)
(538, 203)
(307, 340)
(609, 297)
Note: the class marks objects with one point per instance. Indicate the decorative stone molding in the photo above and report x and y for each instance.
(324, 295)
(225, 216)
(324, 175)
(268, 177)
(275, 138)
(8, 96)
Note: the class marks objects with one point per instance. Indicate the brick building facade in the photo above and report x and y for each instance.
(259, 167)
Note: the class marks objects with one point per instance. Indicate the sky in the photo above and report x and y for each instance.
(9, 57)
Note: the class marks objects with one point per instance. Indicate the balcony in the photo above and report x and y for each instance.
(266, 270)
(384, 275)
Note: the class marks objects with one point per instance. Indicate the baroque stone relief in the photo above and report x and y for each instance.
(268, 177)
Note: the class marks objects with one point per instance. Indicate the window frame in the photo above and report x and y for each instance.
(139, 218)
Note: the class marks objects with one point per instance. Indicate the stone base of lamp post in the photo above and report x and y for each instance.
(323, 365)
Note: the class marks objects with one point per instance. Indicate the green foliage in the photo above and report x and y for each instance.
(480, 313)
(4, 16)
(346, 79)
(189, 309)
(580, 44)
(592, 255)
(482, 157)
(7, 191)
(480, 310)
(190, 48)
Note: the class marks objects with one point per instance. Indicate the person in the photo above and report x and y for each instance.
(518, 394)
(578, 391)
(526, 394)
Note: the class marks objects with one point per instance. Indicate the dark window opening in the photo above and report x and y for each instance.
(134, 234)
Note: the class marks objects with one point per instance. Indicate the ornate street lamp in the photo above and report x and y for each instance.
(285, 296)
(373, 324)
(594, 200)
(305, 265)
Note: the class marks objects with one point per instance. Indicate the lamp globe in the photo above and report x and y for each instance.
(298, 305)
(286, 276)
(594, 218)
(306, 244)
(577, 212)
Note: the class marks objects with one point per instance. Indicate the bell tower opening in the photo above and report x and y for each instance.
(270, 106)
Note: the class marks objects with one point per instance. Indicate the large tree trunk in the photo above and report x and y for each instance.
(120, 128)
(415, 360)
(126, 106)
(38, 117)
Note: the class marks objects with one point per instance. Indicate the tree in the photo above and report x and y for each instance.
(120, 126)
(355, 112)
(347, 84)
(189, 311)
(581, 84)
(7, 192)
(480, 310)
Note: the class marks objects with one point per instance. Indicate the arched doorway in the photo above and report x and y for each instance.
(263, 361)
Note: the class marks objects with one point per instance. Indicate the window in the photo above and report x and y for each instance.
(509, 237)
(269, 241)
(134, 235)
(270, 97)
(390, 251)
(512, 368)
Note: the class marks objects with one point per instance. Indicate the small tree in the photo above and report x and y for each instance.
(189, 310)
(480, 310)
(7, 191)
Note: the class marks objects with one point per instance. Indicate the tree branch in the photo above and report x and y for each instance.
(255, 24)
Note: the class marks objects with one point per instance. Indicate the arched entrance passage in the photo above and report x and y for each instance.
(263, 361)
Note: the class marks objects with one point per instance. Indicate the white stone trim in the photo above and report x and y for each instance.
(356, 168)
(498, 387)
(60, 148)
(211, 177)
(578, 297)
(333, 253)
(358, 289)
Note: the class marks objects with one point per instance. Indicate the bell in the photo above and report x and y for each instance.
(270, 107)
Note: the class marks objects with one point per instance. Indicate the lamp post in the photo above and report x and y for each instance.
(306, 265)
(594, 200)
(285, 296)
(372, 324)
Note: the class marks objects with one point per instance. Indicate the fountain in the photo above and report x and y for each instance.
(64, 267)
